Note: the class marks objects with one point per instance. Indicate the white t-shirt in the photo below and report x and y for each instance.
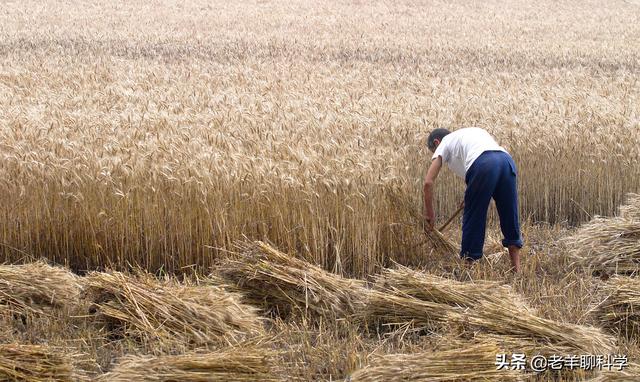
(462, 147)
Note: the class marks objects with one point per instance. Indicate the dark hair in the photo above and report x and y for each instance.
(436, 134)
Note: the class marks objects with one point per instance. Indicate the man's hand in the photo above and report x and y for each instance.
(429, 181)
(429, 220)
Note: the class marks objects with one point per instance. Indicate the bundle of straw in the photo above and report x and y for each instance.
(404, 295)
(282, 282)
(471, 362)
(37, 288)
(169, 313)
(506, 318)
(428, 287)
(620, 309)
(609, 245)
(510, 345)
(440, 243)
(241, 364)
(398, 309)
(35, 363)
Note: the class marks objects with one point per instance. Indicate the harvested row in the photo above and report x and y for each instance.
(428, 287)
(281, 283)
(401, 296)
(143, 307)
(233, 364)
(405, 295)
(37, 288)
(161, 315)
(620, 309)
(609, 245)
(475, 360)
(167, 313)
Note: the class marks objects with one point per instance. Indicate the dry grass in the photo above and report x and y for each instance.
(168, 315)
(282, 282)
(610, 245)
(37, 288)
(235, 364)
(36, 363)
(619, 310)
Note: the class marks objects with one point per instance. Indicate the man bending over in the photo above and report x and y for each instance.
(489, 172)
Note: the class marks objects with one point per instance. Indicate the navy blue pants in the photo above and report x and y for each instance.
(492, 175)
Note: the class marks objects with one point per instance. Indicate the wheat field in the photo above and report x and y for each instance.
(156, 134)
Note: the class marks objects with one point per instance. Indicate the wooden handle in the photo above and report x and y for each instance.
(445, 225)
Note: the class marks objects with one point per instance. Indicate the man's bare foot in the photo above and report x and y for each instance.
(514, 254)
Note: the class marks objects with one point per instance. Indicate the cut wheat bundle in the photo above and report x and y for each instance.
(35, 363)
(428, 287)
(471, 362)
(37, 287)
(440, 243)
(166, 312)
(506, 318)
(282, 282)
(241, 364)
(389, 308)
(404, 295)
(609, 245)
(619, 311)
(529, 348)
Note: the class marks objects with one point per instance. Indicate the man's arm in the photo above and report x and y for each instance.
(429, 183)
